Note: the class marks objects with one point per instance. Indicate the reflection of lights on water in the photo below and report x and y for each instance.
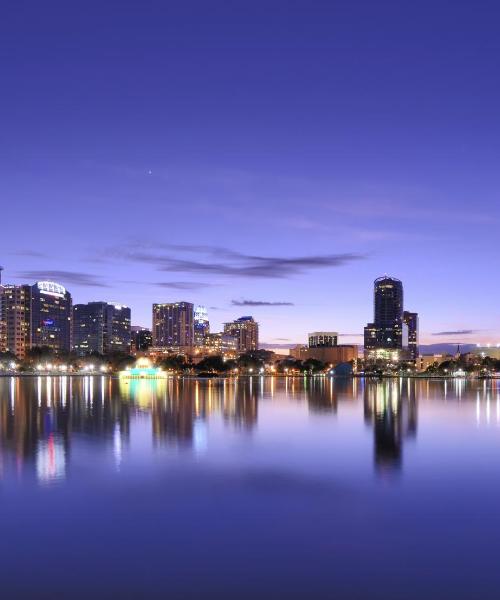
(63, 385)
(50, 460)
(117, 446)
(200, 441)
(143, 391)
(39, 390)
(484, 407)
(49, 390)
(12, 393)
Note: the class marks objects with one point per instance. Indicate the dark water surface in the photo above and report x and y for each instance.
(261, 488)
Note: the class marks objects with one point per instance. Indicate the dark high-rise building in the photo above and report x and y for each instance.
(386, 331)
(101, 327)
(15, 310)
(411, 321)
(51, 316)
(201, 325)
(393, 328)
(142, 338)
(173, 325)
(246, 332)
(388, 301)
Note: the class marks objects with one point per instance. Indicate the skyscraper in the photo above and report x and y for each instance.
(173, 325)
(51, 316)
(386, 331)
(15, 311)
(246, 332)
(411, 321)
(101, 327)
(201, 325)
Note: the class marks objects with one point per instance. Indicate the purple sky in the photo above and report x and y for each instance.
(280, 152)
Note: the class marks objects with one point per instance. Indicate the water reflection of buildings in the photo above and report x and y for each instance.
(391, 407)
(324, 394)
(41, 417)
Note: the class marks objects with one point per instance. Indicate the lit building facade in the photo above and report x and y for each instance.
(51, 316)
(331, 355)
(221, 343)
(101, 327)
(201, 325)
(482, 351)
(15, 311)
(323, 339)
(246, 332)
(173, 325)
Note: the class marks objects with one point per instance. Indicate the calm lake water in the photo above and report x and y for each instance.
(267, 488)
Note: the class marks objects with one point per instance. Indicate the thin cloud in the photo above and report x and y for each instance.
(456, 332)
(183, 285)
(350, 334)
(216, 260)
(66, 277)
(259, 303)
(32, 253)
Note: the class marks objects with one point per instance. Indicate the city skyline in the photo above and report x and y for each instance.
(458, 337)
(218, 157)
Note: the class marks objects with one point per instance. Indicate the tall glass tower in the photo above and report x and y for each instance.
(387, 330)
(388, 294)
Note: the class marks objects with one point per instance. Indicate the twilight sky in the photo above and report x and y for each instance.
(280, 153)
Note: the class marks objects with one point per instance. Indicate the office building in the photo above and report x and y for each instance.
(142, 338)
(101, 327)
(393, 334)
(15, 311)
(173, 325)
(410, 319)
(246, 332)
(386, 331)
(221, 343)
(201, 325)
(330, 355)
(51, 316)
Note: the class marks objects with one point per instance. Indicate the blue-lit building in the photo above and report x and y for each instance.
(51, 316)
(201, 325)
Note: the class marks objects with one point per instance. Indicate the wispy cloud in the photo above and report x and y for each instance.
(31, 253)
(183, 285)
(456, 332)
(350, 334)
(215, 260)
(66, 277)
(259, 303)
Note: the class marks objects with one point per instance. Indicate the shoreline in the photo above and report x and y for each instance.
(244, 376)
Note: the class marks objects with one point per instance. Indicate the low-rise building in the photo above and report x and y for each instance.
(331, 355)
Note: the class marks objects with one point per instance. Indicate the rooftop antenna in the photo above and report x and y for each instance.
(1, 269)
